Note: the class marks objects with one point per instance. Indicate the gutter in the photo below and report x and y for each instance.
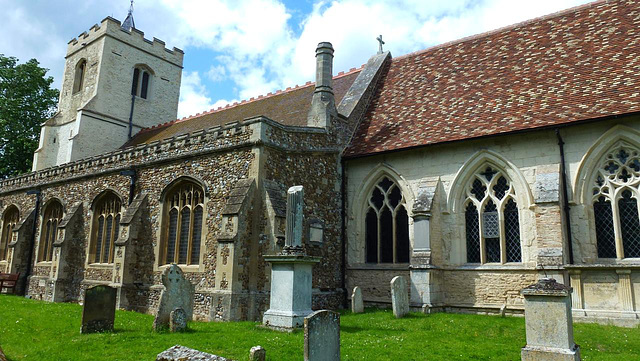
(565, 196)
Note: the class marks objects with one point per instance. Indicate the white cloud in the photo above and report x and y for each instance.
(217, 73)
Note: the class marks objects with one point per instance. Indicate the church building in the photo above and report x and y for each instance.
(473, 168)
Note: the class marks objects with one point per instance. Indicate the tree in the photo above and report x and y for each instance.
(26, 100)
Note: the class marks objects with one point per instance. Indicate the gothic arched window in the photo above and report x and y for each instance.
(78, 79)
(386, 225)
(182, 236)
(140, 82)
(491, 219)
(106, 227)
(50, 220)
(615, 204)
(9, 221)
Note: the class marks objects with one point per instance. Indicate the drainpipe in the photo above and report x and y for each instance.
(565, 195)
(131, 173)
(32, 240)
(343, 233)
(133, 101)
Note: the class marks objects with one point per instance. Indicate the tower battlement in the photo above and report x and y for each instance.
(112, 27)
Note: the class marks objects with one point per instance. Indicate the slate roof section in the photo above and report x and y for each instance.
(288, 107)
(578, 64)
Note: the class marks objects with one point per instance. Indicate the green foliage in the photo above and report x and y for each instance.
(35, 330)
(26, 101)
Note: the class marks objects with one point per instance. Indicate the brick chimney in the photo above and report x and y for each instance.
(323, 105)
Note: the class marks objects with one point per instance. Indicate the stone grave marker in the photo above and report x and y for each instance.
(503, 310)
(178, 320)
(426, 309)
(322, 336)
(399, 297)
(178, 293)
(257, 353)
(181, 353)
(357, 305)
(99, 310)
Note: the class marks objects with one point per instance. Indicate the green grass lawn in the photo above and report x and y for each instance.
(34, 330)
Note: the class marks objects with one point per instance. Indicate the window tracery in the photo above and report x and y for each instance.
(106, 228)
(386, 224)
(51, 218)
(9, 221)
(184, 217)
(491, 219)
(615, 206)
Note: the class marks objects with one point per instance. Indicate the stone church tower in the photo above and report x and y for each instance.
(115, 82)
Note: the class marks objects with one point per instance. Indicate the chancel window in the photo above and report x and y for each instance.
(184, 213)
(9, 221)
(50, 220)
(386, 225)
(615, 204)
(491, 219)
(106, 227)
(140, 83)
(78, 79)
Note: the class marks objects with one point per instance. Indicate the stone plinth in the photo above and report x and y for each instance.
(322, 336)
(291, 290)
(549, 323)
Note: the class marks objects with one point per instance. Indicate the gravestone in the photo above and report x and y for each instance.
(322, 336)
(426, 309)
(399, 297)
(357, 305)
(257, 353)
(181, 353)
(99, 310)
(549, 323)
(503, 310)
(178, 320)
(178, 293)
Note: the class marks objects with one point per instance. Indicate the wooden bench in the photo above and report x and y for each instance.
(9, 281)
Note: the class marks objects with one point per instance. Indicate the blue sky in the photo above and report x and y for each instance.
(235, 50)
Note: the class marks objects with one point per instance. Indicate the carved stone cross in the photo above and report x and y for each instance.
(379, 38)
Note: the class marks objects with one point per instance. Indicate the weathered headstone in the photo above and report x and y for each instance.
(399, 296)
(181, 353)
(357, 306)
(178, 320)
(503, 310)
(257, 353)
(322, 336)
(178, 293)
(549, 323)
(99, 310)
(426, 309)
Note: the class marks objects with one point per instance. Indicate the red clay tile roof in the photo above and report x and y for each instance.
(288, 107)
(579, 64)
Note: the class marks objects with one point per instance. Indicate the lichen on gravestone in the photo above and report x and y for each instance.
(182, 353)
(178, 320)
(178, 293)
(257, 353)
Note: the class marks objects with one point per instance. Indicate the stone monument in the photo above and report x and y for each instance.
(257, 353)
(322, 336)
(178, 320)
(291, 281)
(178, 293)
(357, 305)
(99, 310)
(399, 297)
(549, 324)
(181, 353)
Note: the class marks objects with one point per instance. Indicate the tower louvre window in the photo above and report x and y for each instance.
(78, 79)
(140, 83)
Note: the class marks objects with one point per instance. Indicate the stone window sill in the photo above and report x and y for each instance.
(100, 265)
(43, 263)
(491, 266)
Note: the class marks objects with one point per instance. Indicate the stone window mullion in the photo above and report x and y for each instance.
(503, 236)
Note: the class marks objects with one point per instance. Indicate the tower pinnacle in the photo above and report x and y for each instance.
(128, 22)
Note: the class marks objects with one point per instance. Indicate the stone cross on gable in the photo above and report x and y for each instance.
(295, 203)
(379, 38)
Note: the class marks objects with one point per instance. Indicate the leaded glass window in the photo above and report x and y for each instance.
(50, 220)
(615, 206)
(9, 221)
(491, 219)
(184, 220)
(386, 225)
(106, 227)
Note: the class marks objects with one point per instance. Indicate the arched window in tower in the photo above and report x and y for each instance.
(491, 219)
(50, 219)
(9, 221)
(386, 224)
(183, 218)
(141, 82)
(615, 203)
(78, 79)
(105, 228)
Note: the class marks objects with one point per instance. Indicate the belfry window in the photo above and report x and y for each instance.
(106, 227)
(78, 79)
(386, 225)
(615, 204)
(9, 221)
(182, 234)
(491, 219)
(50, 220)
(140, 82)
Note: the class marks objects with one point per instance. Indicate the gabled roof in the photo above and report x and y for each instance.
(287, 107)
(579, 64)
